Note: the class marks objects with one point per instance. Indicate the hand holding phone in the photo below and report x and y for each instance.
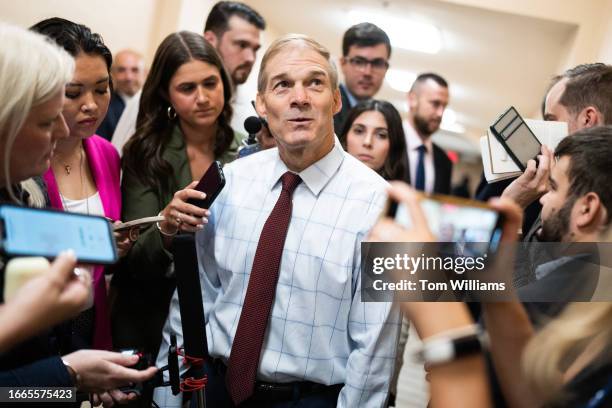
(38, 295)
(189, 207)
(417, 231)
(533, 183)
(211, 184)
(474, 227)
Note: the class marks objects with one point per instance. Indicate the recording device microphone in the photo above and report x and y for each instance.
(252, 125)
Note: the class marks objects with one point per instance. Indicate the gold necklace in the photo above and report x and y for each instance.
(67, 167)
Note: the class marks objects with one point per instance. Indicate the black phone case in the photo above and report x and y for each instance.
(501, 139)
(210, 196)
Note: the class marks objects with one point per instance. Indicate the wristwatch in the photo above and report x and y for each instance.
(452, 345)
(74, 376)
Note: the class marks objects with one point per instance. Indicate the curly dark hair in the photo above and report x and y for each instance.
(396, 162)
(142, 154)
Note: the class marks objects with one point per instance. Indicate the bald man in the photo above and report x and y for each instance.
(128, 74)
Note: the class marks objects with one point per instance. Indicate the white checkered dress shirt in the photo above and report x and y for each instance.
(319, 329)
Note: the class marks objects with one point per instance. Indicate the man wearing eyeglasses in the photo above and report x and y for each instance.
(366, 50)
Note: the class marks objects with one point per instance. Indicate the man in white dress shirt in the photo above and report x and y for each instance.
(429, 168)
(322, 344)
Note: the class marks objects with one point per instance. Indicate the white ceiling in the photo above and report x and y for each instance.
(491, 59)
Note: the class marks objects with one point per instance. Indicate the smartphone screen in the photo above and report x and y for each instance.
(211, 183)
(35, 232)
(474, 228)
(516, 137)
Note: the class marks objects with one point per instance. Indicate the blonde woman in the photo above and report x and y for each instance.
(33, 75)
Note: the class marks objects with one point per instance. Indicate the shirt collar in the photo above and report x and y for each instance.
(414, 141)
(318, 174)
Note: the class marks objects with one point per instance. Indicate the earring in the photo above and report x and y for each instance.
(171, 113)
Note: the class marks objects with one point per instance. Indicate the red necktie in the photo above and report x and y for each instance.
(246, 348)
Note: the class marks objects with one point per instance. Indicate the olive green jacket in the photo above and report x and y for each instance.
(148, 258)
(142, 288)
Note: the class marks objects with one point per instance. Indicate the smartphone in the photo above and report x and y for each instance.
(141, 223)
(474, 228)
(44, 232)
(211, 183)
(516, 137)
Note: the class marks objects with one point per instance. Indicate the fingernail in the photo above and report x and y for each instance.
(205, 221)
(69, 252)
(207, 213)
(203, 195)
(200, 227)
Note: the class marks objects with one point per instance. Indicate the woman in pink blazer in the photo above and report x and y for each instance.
(85, 168)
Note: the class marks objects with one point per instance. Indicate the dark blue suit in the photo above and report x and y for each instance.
(115, 109)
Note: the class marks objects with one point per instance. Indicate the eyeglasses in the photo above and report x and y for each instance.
(377, 64)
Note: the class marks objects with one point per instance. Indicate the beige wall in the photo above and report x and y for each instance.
(593, 38)
(122, 23)
(605, 49)
(142, 24)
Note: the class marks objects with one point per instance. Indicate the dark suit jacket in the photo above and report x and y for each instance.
(574, 281)
(443, 168)
(108, 125)
(340, 117)
(485, 191)
(50, 372)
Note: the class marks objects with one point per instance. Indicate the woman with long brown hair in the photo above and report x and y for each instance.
(183, 126)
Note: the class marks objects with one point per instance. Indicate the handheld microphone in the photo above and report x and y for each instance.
(252, 125)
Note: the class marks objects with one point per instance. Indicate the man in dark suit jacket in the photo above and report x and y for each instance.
(429, 168)
(128, 75)
(366, 50)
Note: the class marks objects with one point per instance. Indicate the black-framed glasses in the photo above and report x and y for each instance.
(379, 64)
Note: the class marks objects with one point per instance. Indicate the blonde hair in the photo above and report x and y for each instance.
(36, 196)
(32, 71)
(554, 348)
(292, 39)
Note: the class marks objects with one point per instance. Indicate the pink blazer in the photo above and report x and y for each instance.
(105, 167)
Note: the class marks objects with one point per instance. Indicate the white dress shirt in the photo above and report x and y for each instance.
(319, 330)
(126, 126)
(413, 142)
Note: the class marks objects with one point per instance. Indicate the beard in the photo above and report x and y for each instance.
(425, 127)
(556, 227)
(241, 73)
